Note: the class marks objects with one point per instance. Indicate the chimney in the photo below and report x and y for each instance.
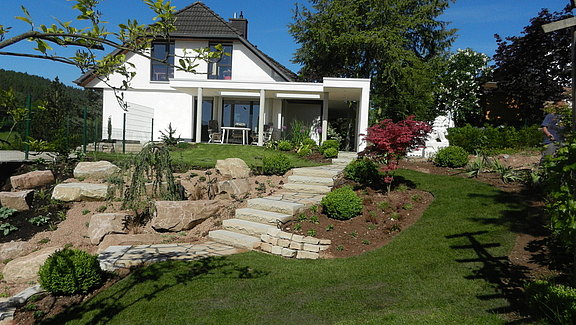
(241, 24)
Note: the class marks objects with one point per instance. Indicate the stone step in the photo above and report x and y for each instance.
(307, 188)
(247, 227)
(321, 171)
(262, 216)
(341, 161)
(347, 154)
(324, 181)
(279, 206)
(234, 239)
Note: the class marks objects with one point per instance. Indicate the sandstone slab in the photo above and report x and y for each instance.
(11, 249)
(125, 240)
(182, 215)
(95, 170)
(234, 187)
(233, 167)
(24, 269)
(32, 179)
(69, 192)
(103, 224)
(19, 201)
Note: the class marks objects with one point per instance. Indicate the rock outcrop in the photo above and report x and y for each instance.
(32, 179)
(19, 201)
(95, 170)
(182, 215)
(69, 192)
(103, 224)
(24, 269)
(233, 168)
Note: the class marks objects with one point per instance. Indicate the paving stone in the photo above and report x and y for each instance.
(307, 255)
(311, 240)
(283, 242)
(296, 245)
(273, 240)
(311, 248)
(265, 238)
(277, 250)
(285, 235)
(273, 232)
(298, 238)
(287, 252)
(267, 247)
(325, 242)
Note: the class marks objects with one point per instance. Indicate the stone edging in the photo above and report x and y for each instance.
(279, 242)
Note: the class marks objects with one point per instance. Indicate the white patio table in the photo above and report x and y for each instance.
(226, 133)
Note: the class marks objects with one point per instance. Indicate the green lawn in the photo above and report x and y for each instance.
(439, 271)
(205, 155)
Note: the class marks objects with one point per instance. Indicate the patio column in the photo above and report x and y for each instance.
(261, 117)
(324, 133)
(362, 118)
(199, 100)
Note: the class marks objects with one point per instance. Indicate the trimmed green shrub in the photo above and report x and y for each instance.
(363, 171)
(492, 139)
(309, 142)
(329, 144)
(330, 153)
(452, 156)
(304, 151)
(342, 203)
(284, 145)
(555, 302)
(276, 164)
(69, 271)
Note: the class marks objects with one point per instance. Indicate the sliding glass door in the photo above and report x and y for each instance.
(241, 113)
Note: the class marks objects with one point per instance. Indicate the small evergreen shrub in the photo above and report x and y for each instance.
(342, 203)
(69, 271)
(363, 171)
(276, 164)
(330, 153)
(309, 142)
(555, 302)
(452, 156)
(329, 144)
(304, 151)
(284, 145)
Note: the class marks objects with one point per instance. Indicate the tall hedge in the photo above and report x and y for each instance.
(491, 138)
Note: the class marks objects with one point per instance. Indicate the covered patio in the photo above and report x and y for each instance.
(249, 106)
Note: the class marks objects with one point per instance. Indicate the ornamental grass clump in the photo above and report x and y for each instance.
(452, 156)
(69, 271)
(342, 204)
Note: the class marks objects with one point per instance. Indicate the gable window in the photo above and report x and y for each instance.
(161, 71)
(221, 68)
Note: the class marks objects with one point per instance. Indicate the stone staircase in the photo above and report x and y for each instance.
(305, 187)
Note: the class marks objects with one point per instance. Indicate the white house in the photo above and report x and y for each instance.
(247, 88)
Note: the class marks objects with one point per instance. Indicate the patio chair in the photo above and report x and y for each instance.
(214, 134)
(266, 135)
(237, 135)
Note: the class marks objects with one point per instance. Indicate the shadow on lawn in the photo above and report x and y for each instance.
(497, 270)
(107, 304)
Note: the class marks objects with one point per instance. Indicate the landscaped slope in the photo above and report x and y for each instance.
(430, 274)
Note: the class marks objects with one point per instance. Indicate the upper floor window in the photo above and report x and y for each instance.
(221, 68)
(162, 71)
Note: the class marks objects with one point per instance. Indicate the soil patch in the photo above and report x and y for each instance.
(383, 217)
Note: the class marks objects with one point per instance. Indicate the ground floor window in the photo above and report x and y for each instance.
(241, 113)
(207, 115)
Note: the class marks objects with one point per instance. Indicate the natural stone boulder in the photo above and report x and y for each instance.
(125, 240)
(95, 170)
(182, 215)
(11, 249)
(233, 167)
(19, 201)
(103, 224)
(236, 187)
(80, 192)
(24, 269)
(32, 179)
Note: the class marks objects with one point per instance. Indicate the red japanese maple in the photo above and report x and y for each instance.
(389, 141)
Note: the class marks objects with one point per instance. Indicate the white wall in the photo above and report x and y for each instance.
(169, 107)
(202, 68)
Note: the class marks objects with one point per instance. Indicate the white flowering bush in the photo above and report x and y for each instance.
(459, 93)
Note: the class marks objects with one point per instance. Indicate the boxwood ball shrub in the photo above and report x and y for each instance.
(452, 156)
(329, 144)
(69, 271)
(342, 204)
(276, 164)
(284, 145)
(330, 153)
(363, 171)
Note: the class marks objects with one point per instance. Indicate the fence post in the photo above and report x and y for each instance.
(85, 131)
(124, 134)
(152, 131)
(95, 135)
(27, 132)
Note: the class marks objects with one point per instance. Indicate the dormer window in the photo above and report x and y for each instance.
(221, 68)
(162, 68)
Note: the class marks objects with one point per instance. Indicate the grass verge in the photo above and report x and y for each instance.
(442, 270)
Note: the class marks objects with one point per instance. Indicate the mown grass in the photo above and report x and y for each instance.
(205, 155)
(442, 270)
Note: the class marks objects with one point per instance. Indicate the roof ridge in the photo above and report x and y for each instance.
(212, 12)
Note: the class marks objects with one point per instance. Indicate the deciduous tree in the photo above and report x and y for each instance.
(534, 67)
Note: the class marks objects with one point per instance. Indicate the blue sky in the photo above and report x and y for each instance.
(476, 21)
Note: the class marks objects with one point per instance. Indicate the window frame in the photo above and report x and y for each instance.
(221, 75)
(160, 71)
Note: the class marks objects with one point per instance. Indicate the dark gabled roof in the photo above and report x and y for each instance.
(199, 21)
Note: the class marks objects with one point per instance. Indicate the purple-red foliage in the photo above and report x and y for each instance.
(389, 141)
